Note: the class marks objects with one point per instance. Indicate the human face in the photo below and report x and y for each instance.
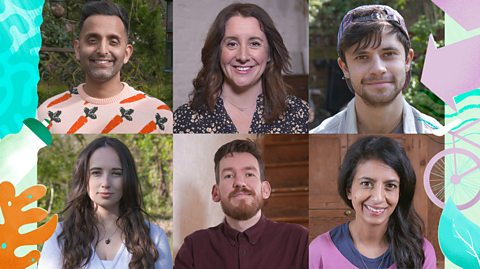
(374, 193)
(240, 190)
(244, 53)
(378, 74)
(105, 180)
(102, 48)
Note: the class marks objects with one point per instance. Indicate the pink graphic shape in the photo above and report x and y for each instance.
(453, 69)
(464, 12)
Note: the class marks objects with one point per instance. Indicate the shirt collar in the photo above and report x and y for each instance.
(252, 234)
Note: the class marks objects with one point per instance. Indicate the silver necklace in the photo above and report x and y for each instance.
(108, 240)
(381, 261)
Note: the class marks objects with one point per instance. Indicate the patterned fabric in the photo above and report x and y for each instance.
(293, 121)
(130, 111)
(345, 122)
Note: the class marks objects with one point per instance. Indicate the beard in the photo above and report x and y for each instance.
(245, 209)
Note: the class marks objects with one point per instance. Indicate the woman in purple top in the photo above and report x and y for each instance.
(377, 180)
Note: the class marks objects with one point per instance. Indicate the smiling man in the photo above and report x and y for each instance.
(246, 238)
(104, 104)
(375, 56)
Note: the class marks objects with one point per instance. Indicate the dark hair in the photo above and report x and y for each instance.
(104, 7)
(208, 83)
(79, 225)
(369, 33)
(237, 146)
(405, 227)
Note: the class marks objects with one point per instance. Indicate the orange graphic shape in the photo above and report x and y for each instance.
(14, 217)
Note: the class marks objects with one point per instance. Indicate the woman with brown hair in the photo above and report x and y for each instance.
(240, 88)
(103, 223)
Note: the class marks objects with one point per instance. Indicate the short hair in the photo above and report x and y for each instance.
(368, 33)
(239, 146)
(104, 7)
(208, 83)
(404, 229)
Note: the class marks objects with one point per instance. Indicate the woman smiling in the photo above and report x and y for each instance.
(240, 88)
(377, 180)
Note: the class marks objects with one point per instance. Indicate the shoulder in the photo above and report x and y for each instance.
(321, 242)
(58, 101)
(296, 103)
(330, 125)
(143, 99)
(428, 123)
(289, 228)
(430, 257)
(188, 120)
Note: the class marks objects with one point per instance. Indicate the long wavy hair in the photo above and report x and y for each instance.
(208, 83)
(405, 227)
(80, 230)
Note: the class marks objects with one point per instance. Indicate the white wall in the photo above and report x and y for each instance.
(192, 19)
(193, 178)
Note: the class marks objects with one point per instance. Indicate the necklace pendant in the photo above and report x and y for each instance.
(107, 241)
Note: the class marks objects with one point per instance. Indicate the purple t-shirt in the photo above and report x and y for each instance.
(323, 253)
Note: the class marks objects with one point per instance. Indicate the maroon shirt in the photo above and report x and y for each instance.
(266, 244)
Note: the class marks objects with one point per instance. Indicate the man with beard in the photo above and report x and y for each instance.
(246, 238)
(375, 56)
(104, 104)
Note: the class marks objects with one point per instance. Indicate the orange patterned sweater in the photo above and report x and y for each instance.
(130, 111)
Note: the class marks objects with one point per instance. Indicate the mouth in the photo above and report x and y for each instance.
(105, 194)
(243, 69)
(375, 210)
(102, 61)
(241, 193)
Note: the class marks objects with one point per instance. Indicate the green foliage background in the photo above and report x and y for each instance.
(153, 157)
(325, 17)
(145, 71)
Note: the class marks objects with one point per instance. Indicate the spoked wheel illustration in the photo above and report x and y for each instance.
(453, 173)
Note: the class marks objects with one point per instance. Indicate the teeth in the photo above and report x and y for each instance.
(374, 209)
(243, 68)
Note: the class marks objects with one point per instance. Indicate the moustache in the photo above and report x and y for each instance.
(241, 190)
(376, 79)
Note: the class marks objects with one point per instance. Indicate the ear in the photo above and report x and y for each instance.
(266, 189)
(408, 61)
(128, 53)
(344, 68)
(349, 194)
(215, 193)
(76, 46)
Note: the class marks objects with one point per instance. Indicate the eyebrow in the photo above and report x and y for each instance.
(386, 181)
(110, 36)
(246, 168)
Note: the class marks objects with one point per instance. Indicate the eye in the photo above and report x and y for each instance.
(115, 42)
(118, 173)
(96, 173)
(361, 57)
(249, 174)
(255, 44)
(91, 40)
(228, 176)
(391, 186)
(230, 44)
(366, 184)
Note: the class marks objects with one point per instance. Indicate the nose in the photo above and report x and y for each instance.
(102, 48)
(243, 54)
(378, 194)
(378, 66)
(105, 182)
(239, 181)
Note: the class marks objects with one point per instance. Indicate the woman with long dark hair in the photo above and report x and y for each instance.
(376, 180)
(240, 88)
(104, 225)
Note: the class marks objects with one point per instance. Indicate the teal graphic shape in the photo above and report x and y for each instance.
(458, 237)
(19, 46)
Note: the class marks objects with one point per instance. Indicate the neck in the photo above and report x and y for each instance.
(105, 89)
(368, 239)
(243, 225)
(106, 218)
(379, 119)
(241, 97)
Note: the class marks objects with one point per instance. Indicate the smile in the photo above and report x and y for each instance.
(374, 209)
(101, 61)
(243, 68)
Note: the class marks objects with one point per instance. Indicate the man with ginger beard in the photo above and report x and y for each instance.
(246, 238)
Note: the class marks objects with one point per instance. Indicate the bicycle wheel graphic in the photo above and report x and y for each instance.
(453, 173)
